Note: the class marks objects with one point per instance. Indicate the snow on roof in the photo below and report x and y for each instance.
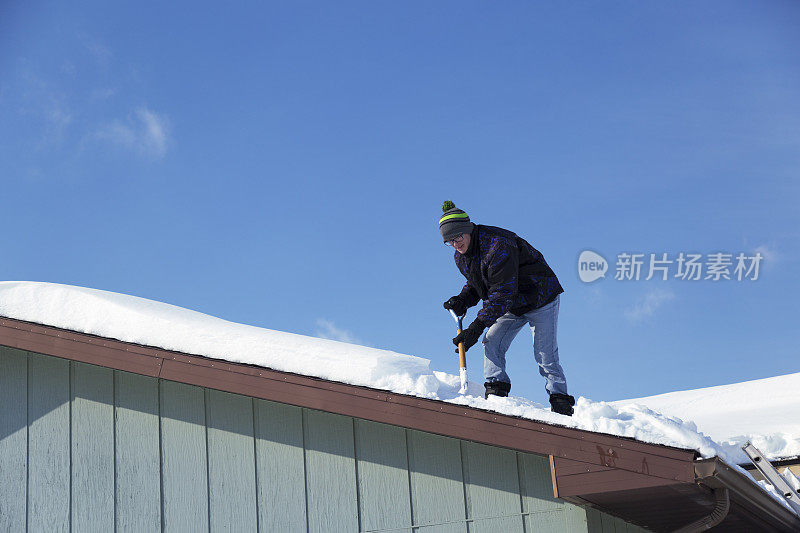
(765, 412)
(151, 323)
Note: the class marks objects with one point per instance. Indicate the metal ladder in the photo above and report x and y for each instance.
(791, 496)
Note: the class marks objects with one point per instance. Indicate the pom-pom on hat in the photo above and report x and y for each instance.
(453, 222)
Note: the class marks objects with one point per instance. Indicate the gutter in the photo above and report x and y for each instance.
(717, 515)
(722, 479)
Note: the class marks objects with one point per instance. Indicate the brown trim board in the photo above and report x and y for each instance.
(612, 463)
(575, 478)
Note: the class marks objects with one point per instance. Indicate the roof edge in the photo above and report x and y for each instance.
(453, 420)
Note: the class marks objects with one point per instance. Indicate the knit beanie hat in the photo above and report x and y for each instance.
(453, 222)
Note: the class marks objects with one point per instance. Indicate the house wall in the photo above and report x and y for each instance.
(87, 448)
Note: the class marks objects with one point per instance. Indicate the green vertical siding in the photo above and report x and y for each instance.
(609, 523)
(574, 518)
(384, 495)
(602, 523)
(280, 467)
(138, 461)
(437, 483)
(48, 444)
(92, 446)
(492, 489)
(13, 438)
(231, 462)
(330, 473)
(85, 448)
(184, 460)
(536, 485)
(541, 510)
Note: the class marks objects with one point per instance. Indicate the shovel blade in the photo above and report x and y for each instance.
(464, 381)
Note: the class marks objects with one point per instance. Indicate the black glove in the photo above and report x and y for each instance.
(456, 303)
(470, 335)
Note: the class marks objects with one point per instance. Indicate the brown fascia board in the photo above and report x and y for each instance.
(716, 473)
(627, 463)
(576, 478)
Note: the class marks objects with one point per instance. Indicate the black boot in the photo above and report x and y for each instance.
(562, 404)
(496, 388)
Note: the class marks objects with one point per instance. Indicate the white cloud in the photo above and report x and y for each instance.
(326, 329)
(648, 304)
(769, 253)
(155, 130)
(145, 132)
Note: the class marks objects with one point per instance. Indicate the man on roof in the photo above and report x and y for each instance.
(517, 287)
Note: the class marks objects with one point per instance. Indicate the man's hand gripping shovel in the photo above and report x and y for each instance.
(462, 356)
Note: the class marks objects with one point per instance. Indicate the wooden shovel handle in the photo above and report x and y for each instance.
(462, 358)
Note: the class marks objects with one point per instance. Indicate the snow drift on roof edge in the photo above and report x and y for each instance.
(764, 411)
(151, 323)
(142, 321)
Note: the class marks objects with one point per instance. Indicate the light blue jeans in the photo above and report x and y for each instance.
(544, 324)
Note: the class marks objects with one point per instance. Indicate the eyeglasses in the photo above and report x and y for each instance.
(455, 241)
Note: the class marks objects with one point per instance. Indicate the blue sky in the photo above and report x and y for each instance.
(283, 164)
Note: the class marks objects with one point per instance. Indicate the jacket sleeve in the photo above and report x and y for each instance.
(469, 295)
(503, 273)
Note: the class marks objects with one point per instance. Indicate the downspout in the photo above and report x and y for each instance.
(717, 515)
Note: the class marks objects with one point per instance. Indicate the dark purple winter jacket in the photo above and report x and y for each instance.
(506, 272)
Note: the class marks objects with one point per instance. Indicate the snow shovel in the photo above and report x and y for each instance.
(462, 357)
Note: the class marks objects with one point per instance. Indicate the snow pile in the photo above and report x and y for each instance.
(141, 321)
(765, 412)
(790, 478)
